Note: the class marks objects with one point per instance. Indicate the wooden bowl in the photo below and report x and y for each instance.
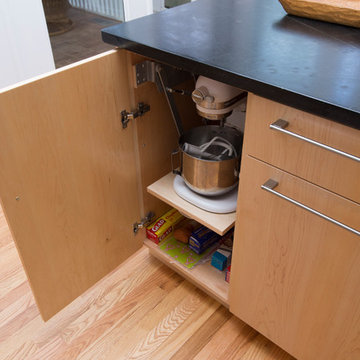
(345, 12)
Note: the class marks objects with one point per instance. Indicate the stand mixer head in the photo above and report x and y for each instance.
(215, 100)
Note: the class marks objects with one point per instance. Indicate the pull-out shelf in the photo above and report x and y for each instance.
(163, 189)
(205, 276)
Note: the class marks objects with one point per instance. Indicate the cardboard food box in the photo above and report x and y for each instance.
(163, 227)
(221, 258)
(227, 274)
(202, 238)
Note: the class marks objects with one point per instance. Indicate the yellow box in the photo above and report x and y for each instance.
(163, 227)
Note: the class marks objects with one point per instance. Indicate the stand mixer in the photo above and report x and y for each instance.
(210, 155)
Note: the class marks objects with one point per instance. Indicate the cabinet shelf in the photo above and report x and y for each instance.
(204, 276)
(163, 189)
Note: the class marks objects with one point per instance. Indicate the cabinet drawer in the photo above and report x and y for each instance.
(295, 276)
(308, 160)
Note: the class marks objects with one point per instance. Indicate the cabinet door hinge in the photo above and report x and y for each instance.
(127, 116)
(143, 222)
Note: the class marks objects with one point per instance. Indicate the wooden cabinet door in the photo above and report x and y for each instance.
(68, 178)
(295, 277)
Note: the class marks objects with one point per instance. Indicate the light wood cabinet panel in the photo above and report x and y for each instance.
(295, 276)
(68, 176)
(73, 181)
(156, 135)
(308, 161)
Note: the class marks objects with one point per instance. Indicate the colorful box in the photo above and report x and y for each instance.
(221, 258)
(163, 227)
(202, 238)
(227, 274)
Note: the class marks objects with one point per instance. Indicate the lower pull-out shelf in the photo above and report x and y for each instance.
(164, 190)
(204, 276)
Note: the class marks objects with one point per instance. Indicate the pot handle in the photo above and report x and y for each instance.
(177, 171)
(237, 170)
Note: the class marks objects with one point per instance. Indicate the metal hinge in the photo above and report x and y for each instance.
(127, 116)
(145, 71)
(143, 222)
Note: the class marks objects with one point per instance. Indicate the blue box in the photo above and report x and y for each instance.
(221, 259)
(202, 238)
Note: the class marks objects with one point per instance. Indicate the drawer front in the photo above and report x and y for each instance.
(321, 151)
(295, 274)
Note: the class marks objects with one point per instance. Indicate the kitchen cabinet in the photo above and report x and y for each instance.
(297, 64)
(73, 182)
(295, 274)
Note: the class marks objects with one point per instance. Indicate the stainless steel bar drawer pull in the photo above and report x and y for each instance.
(280, 125)
(271, 184)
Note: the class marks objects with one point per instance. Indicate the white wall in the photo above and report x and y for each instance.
(24, 41)
(134, 9)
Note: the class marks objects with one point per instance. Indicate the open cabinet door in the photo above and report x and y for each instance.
(68, 176)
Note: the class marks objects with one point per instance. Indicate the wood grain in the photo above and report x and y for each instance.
(346, 12)
(204, 276)
(295, 276)
(67, 176)
(163, 189)
(156, 137)
(5, 235)
(156, 134)
(141, 308)
(203, 335)
(319, 166)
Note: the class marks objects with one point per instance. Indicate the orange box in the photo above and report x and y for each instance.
(163, 227)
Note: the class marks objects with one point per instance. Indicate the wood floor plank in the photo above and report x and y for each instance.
(11, 279)
(203, 335)
(222, 342)
(17, 315)
(102, 348)
(73, 347)
(9, 259)
(262, 348)
(14, 295)
(5, 235)
(158, 327)
(12, 274)
(120, 344)
(189, 327)
(13, 346)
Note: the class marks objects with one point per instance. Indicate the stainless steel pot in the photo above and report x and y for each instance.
(206, 176)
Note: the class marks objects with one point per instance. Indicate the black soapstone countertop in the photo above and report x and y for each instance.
(253, 44)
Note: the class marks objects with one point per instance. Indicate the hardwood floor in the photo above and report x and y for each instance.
(83, 40)
(142, 310)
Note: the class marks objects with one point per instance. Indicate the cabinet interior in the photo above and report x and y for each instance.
(161, 189)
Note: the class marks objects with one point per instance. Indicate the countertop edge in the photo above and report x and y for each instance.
(283, 96)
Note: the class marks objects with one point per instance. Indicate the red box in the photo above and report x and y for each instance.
(163, 227)
(227, 273)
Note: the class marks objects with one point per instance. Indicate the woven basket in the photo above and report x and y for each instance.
(345, 12)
